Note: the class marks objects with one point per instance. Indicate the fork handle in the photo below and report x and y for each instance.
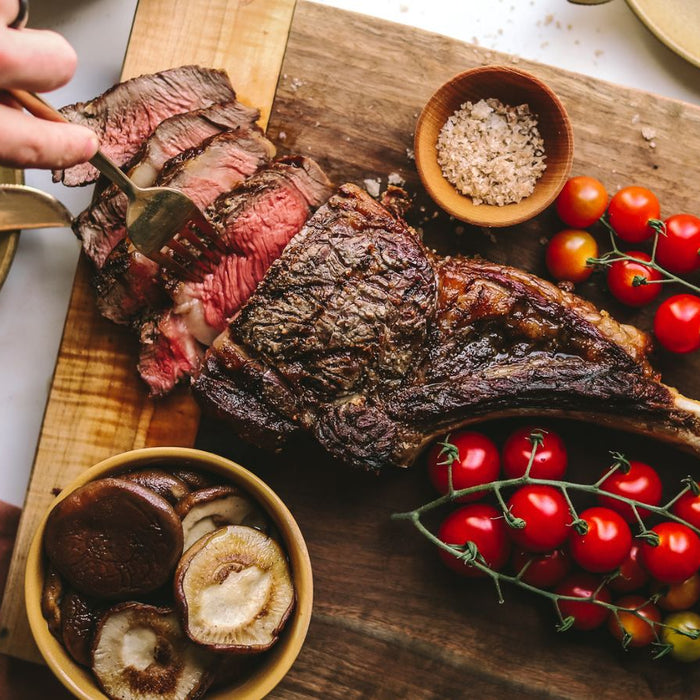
(41, 108)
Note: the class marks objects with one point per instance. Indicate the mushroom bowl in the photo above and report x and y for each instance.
(231, 534)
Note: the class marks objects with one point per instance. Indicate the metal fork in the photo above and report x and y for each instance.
(160, 221)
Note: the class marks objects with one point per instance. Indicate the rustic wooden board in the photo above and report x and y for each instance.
(389, 621)
(97, 406)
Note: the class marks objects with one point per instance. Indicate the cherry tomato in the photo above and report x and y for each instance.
(640, 629)
(550, 458)
(582, 201)
(477, 461)
(481, 524)
(679, 249)
(688, 508)
(587, 614)
(567, 253)
(543, 570)
(624, 276)
(641, 483)
(677, 555)
(685, 648)
(629, 212)
(678, 596)
(546, 514)
(606, 544)
(677, 323)
(631, 575)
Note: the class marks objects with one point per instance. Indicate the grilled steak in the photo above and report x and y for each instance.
(127, 114)
(361, 337)
(128, 282)
(256, 221)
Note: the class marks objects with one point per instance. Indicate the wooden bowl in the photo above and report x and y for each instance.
(511, 87)
(275, 663)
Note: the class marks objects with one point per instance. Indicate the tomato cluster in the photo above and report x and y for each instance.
(527, 528)
(635, 276)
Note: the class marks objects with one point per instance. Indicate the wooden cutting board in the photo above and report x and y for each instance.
(388, 621)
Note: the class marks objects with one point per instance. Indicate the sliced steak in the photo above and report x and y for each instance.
(361, 337)
(257, 220)
(127, 114)
(204, 172)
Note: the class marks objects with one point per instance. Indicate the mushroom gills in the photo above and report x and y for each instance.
(206, 510)
(234, 590)
(140, 652)
(51, 597)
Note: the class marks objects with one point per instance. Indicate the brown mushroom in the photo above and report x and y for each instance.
(51, 596)
(79, 616)
(169, 486)
(141, 653)
(234, 590)
(194, 479)
(208, 509)
(113, 539)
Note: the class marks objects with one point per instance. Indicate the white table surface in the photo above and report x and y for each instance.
(605, 41)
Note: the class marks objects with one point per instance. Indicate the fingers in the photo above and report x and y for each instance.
(37, 60)
(36, 143)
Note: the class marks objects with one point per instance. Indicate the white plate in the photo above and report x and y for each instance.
(675, 22)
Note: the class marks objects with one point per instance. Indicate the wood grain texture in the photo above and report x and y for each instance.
(97, 405)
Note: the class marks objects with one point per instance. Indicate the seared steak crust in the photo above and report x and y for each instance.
(127, 114)
(363, 338)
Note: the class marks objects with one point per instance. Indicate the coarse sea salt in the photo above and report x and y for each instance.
(492, 152)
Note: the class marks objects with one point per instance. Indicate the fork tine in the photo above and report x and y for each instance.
(195, 239)
(173, 266)
(192, 262)
(206, 231)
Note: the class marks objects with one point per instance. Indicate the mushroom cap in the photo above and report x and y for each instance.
(141, 653)
(234, 590)
(169, 486)
(208, 509)
(51, 596)
(113, 539)
(79, 617)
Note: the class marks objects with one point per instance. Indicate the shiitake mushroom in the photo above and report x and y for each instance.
(234, 590)
(169, 486)
(140, 652)
(79, 617)
(206, 510)
(51, 596)
(113, 539)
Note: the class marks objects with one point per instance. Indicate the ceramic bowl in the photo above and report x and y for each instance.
(277, 661)
(512, 87)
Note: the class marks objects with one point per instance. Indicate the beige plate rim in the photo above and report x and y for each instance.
(686, 45)
(8, 240)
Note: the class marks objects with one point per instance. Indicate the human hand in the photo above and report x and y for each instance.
(39, 61)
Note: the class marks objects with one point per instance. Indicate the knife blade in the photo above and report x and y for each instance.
(23, 207)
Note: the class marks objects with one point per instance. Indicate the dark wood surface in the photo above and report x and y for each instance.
(389, 620)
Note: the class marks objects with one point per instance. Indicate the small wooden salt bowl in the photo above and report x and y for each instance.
(512, 87)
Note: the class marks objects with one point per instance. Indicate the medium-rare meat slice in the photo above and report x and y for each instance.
(124, 116)
(361, 337)
(256, 221)
(101, 226)
(128, 282)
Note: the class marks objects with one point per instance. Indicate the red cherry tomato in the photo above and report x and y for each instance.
(543, 570)
(582, 201)
(677, 323)
(481, 524)
(550, 458)
(631, 575)
(678, 596)
(677, 555)
(477, 461)
(679, 249)
(587, 615)
(624, 280)
(638, 625)
(629, 212)
(606, 544)
(546, 514)
(688, 508)
(567, 253)
(641, 483)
